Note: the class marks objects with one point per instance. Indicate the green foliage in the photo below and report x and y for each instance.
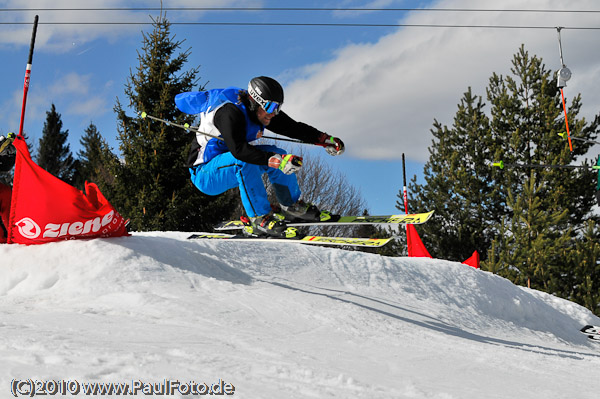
(54, 154)
(526, 223)
(582, 270)
(150, 184)
(531, 245)
(90, 157)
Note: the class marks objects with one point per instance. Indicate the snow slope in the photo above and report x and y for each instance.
(283, 321)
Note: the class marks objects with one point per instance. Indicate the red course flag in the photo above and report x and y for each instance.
(45, 209)
(415, 245)
(473, 260)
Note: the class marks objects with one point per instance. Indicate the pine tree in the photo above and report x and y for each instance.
(533, 256)
(90, 157)
(548, 205)
(54, 154)
(151, 183)
(527, 222)
(527, 118)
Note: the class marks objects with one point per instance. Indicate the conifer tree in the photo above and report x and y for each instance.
(548, 204)
(527, 119)
(151, 183)
(536, 244)
(54, 154)
(90, 157)
(526, 221)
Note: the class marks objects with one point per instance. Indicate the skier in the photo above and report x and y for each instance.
(238, 117)
(7, 160)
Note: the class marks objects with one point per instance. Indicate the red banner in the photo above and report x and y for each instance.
(45, 209)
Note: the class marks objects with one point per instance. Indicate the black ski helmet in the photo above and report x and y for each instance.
(267, 93)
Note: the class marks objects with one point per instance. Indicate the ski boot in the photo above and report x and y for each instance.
(271, 225)
(304, 211)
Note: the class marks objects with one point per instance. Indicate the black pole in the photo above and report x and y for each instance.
(32, 44)
(405, 194)
(403, 170)
(28, 74)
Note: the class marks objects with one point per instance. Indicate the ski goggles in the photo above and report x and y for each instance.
(271, 106)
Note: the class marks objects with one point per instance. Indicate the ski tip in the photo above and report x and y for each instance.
(420, 218)
(197, 236)
(590, 329)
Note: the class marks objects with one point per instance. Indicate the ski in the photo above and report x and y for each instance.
(300, 239)
(415, 218)
(591, 330)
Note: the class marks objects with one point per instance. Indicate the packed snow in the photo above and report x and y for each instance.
(277, 320)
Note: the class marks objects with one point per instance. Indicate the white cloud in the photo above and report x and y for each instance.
(360, 4)
(88, 107)
(72, 94)
(65, 37)
(70, 84)
(382, 98)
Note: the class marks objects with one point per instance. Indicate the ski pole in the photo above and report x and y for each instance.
(502, 165)
(564, 136)
(195, 129)
(185, 127)
(28, 74)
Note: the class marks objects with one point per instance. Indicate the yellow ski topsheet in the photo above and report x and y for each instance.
(411, 218)
(362, 242)
(318, 240)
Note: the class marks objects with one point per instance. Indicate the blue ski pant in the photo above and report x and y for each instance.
(225, 172)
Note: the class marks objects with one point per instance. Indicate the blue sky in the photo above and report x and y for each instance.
(378, 88)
